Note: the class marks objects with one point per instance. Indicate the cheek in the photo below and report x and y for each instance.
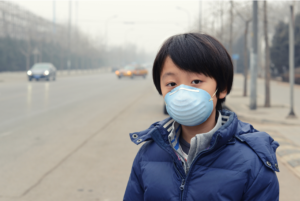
(163, 91)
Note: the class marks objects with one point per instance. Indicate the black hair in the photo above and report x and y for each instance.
(199, 53)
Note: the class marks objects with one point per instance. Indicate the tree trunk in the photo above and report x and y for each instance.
(27, 52)
(246, 62)
(267, 59)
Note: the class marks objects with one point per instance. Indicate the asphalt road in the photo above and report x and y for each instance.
(68, 139)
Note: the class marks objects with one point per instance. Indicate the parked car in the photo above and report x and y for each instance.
(42, 71)
(132, 71)
(285, 76)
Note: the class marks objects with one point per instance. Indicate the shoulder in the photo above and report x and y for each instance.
(246, 145)
(249, 149)
(151, 152)
(264, 147)
(237, 156)
(253, 153)
(256, 144)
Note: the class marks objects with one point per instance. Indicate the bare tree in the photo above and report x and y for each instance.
(246, 60)
(27, 50)
(35, 35)
(267, 58)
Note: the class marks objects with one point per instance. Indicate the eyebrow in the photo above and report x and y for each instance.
(168, 74)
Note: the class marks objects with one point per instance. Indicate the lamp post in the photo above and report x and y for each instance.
(291, 60)
(188, 14)
(253, 57)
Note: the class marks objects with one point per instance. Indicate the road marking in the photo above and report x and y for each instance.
(82, 144)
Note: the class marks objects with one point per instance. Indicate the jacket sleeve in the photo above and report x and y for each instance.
(134, 190)
(264, 187)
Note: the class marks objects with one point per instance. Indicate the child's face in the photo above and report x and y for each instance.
(172, 76)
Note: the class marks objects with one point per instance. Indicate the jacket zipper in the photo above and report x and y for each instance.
(179, 155)
(177, 170)
(181, 187)
(200, 153)
(183, 180)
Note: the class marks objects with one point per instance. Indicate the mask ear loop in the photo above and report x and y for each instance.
(213, 95)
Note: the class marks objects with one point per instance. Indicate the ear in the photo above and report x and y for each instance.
(222, 94)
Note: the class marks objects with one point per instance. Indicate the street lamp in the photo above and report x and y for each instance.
(188, 14)
(291, 60)
(106, 24)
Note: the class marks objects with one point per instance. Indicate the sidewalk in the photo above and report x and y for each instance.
(280, 102)
(273, 120)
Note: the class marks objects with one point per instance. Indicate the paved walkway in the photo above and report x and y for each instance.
(275, 122)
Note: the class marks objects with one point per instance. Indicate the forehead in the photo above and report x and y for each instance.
(169, 64)
(171, 69)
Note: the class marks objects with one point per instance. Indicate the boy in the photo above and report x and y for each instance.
(201, 152)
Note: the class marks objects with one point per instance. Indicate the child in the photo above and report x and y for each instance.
(200, 152)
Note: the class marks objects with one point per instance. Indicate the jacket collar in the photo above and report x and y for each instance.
(260, 142)
(165, 126)
(146, 135)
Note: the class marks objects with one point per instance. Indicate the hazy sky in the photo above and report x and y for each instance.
(145, 23)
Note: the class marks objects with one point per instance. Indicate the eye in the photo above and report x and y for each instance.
(172, 84)
(196, 81)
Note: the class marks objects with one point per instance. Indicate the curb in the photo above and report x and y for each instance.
(257, 120)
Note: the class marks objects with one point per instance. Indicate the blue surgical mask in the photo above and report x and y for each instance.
(189, 106)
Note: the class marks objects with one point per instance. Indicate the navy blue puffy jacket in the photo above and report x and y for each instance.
(239, 165)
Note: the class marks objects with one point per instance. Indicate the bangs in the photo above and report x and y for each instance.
(194, 55)
(189, 56)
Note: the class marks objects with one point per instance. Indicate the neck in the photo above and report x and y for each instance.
(188, 132)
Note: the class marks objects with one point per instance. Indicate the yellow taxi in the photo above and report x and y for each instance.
(132, 71)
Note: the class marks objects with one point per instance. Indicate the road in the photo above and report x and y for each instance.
(68, 139)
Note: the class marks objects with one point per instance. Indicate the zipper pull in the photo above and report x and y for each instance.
(182, 185)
